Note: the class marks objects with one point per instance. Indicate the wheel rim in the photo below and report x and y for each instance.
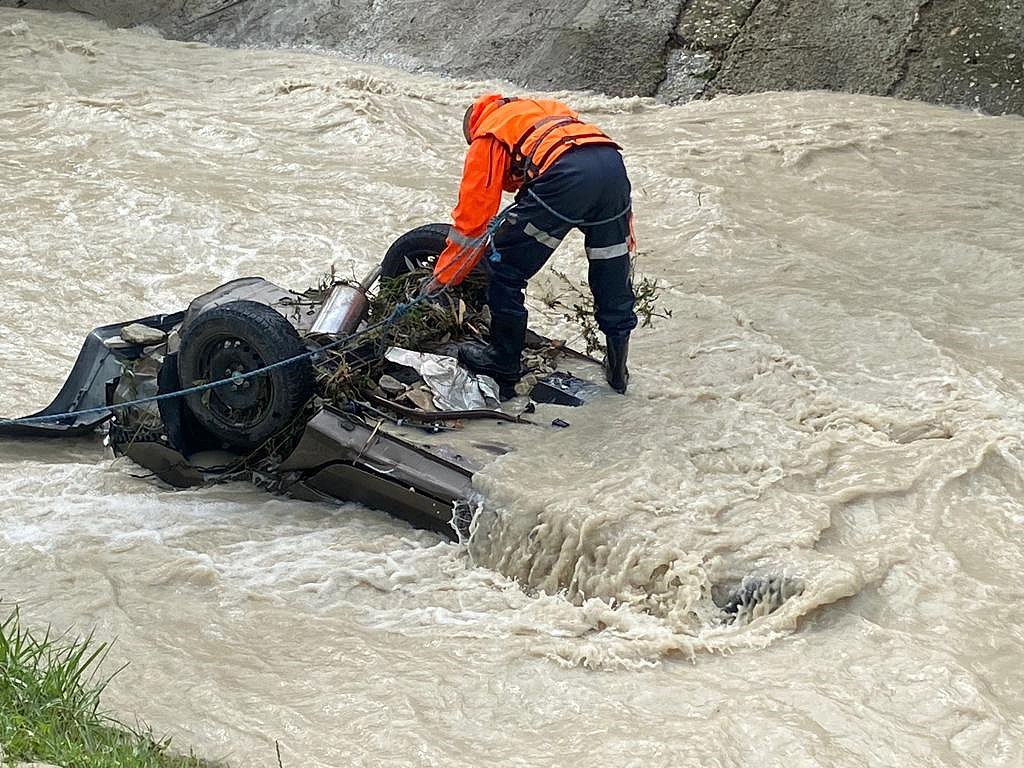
(419, 260)
(242, 403)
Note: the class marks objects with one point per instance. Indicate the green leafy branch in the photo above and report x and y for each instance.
(576, 304)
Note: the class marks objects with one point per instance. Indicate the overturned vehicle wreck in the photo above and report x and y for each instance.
(327, 394)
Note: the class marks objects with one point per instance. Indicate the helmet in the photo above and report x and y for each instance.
(475, 111)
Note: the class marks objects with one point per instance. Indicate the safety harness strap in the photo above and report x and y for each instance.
(522, 164)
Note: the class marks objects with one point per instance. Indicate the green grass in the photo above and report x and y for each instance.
(50, 707)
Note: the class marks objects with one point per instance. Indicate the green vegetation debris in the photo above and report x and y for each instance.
(576, 303)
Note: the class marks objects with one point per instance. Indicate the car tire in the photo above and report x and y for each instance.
(240, 337)
(416, 249)
(419, 248)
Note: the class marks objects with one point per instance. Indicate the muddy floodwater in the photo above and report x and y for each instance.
(837, 403)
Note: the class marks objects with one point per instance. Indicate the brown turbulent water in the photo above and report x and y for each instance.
(836, 403)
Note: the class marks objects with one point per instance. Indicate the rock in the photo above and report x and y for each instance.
(756, 597)
(712, 25)
(391, 385)
(687, 76)
(884, 48)
(137, 333)
(422, 399)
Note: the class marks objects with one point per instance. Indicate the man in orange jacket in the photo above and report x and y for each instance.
(567, 173)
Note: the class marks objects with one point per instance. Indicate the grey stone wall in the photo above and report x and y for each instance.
(964, 53)
(967, 53)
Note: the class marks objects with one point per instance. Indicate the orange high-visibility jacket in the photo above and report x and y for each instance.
(512, 141)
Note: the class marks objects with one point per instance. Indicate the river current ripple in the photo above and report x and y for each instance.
(836, 402)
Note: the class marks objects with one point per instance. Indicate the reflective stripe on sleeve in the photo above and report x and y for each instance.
(541, 236)
(608, 252)
(460, 239)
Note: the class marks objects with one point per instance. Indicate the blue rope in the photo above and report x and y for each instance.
(578, 222)
(399, 311)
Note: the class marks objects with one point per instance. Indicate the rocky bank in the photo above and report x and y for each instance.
(966, 53)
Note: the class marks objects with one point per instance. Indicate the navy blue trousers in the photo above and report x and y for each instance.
(587, 184)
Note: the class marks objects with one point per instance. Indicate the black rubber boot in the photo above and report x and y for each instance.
(615, 369)
(501, 358)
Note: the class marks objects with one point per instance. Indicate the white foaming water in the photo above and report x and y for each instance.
(835, 403)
